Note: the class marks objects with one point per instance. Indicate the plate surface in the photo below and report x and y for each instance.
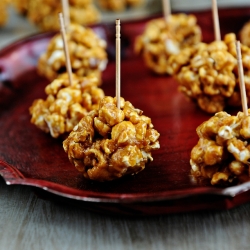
(30, 157)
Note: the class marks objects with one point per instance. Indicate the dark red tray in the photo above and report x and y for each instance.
(30, 157)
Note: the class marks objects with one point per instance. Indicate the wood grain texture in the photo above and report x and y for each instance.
(30, 223)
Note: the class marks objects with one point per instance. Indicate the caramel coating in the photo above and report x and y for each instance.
(44, 13)
(65, 104)
(86, 49)
(161, 39)
(109, 142)
(208, 74)
(223, 150)
(121, 5)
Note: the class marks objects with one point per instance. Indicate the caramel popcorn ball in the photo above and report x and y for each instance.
(162, 39)
(223, 151)
(86, 49)
(109, 142)
(120, 5)
(65, 104)
(207, 73)
(44, 13)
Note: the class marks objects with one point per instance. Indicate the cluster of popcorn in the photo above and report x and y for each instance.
(87, 54)
(66, 104)
(44, 13)
(121, 5)
(223, 151)
(109, 142)
(208, 74)
(104, 142)
(162, 39)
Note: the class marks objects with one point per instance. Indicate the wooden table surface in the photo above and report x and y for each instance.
(29, 222)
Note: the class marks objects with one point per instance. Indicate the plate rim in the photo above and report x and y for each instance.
(13, 176)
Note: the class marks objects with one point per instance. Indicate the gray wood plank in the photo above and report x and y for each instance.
(28, 222)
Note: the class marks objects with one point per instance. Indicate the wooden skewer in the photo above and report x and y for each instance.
(216, 20)
(66, 50)
(118, 63)
(241, 78)
(166, 9)
(65, 9)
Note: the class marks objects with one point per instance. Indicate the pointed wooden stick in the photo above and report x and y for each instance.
(166, 9)
(216, 21)
(65, 9)
(118, 63)
(66, 50)
(241, 78)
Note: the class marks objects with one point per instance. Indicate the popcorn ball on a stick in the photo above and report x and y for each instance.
(109, 142)
(65, 104)
(87, 53)
(207, 76)
(69, 98)
(113, 141)
(207, 73)
(223, 151)
(166, 36)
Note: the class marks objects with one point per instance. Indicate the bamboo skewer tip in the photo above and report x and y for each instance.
(216, 21)
(66, 14)
(65, 46)
(118, 62)
(166, 9)
(241, 79)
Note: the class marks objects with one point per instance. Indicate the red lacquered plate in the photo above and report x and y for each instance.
(30, 157)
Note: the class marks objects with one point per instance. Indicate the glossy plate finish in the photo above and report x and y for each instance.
(30, 157)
